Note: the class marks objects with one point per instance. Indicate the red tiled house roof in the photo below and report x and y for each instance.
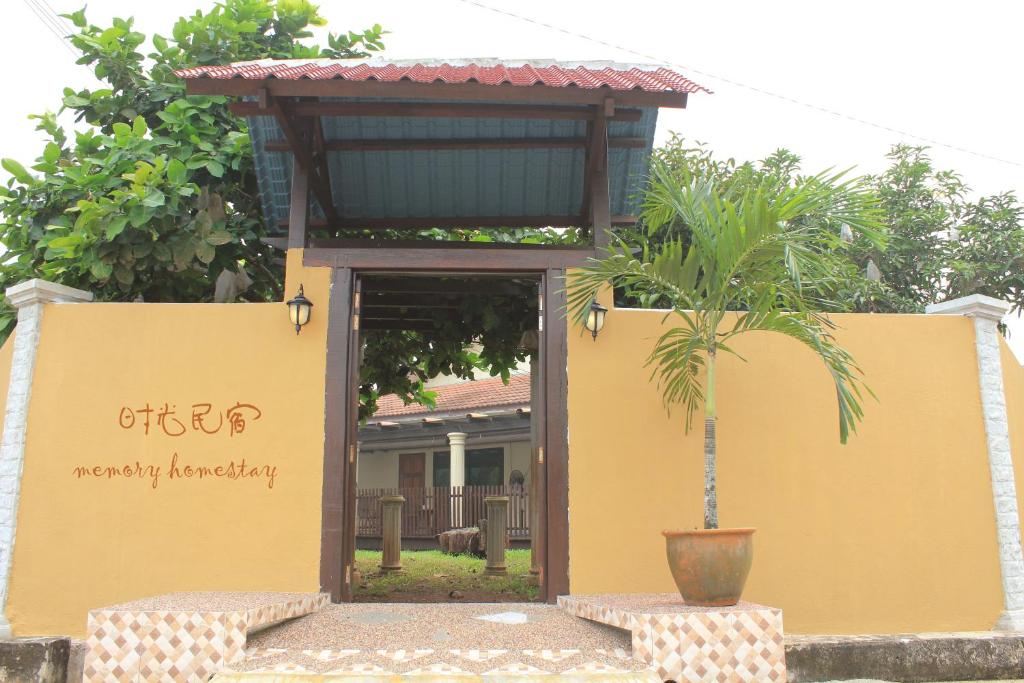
(463, 396)
(585, 75)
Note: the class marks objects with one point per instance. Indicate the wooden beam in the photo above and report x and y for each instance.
(433, 245)
(299, 133)
(394, 316)
(451, 259)
(383, 301)
(298, 209)
(587, 164)
(599, 208)
(398, 144)
(322, 170)
(436, 110)
(412, 325)
(298, 144)
(463, 92)
(378, 305)
(424, 222)
(437, 286)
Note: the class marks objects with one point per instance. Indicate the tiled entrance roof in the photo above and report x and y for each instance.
(443, 143)
(481, 393)
(586, 75)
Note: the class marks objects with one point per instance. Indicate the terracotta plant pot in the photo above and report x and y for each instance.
(710, 566)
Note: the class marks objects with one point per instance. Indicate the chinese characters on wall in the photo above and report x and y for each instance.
(170, 424)
(200, 420)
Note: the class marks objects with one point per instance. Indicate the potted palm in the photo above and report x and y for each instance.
(747, 257)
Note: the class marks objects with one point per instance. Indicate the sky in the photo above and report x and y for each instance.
(838, 84)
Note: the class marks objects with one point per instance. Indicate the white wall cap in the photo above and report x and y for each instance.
(975, 306)
(36, 291)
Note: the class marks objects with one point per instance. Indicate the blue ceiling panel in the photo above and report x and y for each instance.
(442, 183)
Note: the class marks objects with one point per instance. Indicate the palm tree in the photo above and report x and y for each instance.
(764, 251)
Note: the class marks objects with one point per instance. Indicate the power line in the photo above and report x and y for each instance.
(746, 86)
(53, 22)
(57, 18)
(46, 21)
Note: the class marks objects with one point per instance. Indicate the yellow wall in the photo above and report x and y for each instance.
(1013, 385)
(87, 542)
(893, 532)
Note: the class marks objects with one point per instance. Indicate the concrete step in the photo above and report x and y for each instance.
(428, 664)
(646, 677)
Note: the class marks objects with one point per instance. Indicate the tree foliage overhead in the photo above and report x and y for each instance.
(943, 244)
(153, 194)
(480, 331)
(935, 242)
(840, 289)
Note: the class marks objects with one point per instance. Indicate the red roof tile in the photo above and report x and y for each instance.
(474, 395)
(586, 75)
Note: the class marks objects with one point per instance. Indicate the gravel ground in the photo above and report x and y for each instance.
(394, 626)
(432, 639)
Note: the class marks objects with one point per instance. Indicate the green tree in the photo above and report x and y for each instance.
(986, 250)
(154, 195)
(938, 242)
(941, 243)
(759, 248)
(847, 289)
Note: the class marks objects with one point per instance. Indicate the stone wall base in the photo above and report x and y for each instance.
(906, 658)
(34, 660)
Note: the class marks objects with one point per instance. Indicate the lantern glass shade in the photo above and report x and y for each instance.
(299, 310)
(595, 318)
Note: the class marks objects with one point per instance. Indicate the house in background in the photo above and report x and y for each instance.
(483, 425)
(408, 446)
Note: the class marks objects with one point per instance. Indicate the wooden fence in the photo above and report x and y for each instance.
(429, 511)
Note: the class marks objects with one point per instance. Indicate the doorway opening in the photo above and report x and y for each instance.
(449, 422)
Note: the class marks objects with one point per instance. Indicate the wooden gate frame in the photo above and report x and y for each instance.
(338, 520)
(298, 107)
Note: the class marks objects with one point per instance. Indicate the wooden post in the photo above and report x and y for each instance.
(497, 534)
(336, 552)
(298, 211)
(600, 196)
(536, 468)
(391, 533)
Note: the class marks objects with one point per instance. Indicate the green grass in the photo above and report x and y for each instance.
(430, 575)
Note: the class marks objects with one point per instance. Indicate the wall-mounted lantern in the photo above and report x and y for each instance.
(299, 309)
(595, 318)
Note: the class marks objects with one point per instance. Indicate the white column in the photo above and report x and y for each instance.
(986, 313)
(28, 297)
(457, 467)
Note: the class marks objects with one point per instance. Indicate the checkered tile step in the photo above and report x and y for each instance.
(740, 643)
(153, 640)
(281, 665)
